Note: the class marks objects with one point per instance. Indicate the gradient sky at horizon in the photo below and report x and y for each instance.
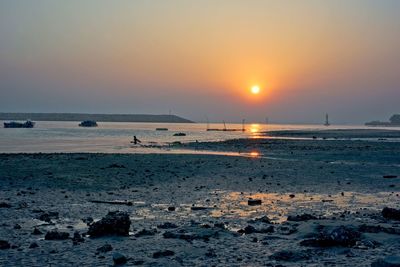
(200, 58)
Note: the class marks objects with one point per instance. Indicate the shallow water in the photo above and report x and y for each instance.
(53, 137)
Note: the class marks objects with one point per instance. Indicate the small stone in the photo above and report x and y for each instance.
(55, 235)
(119, 259)
(33, 245)
(171, 208)
(5, 205)
(105, 248)
(4, 244)
(36, 232)
(164, 253)
(254, 202)
(167, 225)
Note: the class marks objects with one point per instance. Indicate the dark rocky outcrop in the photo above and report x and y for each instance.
(340, 236)
(114, 223)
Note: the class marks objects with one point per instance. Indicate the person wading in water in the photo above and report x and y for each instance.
(135, 140)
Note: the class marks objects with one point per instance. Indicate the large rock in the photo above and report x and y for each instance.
(390, 213)
(119, 259)
(115, 223)
(389, 261)
(4, 244)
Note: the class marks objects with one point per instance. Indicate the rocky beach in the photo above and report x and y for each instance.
(318, 200)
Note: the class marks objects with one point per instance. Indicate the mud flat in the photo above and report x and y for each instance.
(283, 203)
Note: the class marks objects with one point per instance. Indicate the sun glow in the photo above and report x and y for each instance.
(255, 89)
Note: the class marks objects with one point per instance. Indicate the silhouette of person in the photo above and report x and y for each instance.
(135, 140)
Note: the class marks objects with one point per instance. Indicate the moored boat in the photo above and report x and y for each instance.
(15, 124)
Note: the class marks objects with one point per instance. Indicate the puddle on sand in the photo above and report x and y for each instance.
(278, 206)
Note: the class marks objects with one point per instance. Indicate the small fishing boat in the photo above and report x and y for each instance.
(88, 124)
(14, 124)
(161, 129)
(179, 134)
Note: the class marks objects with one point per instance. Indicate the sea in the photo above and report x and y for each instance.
(116, 137)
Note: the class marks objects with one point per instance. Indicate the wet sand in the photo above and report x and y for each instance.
(205, 198)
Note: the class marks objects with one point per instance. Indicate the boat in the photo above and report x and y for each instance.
(14, 124)
(88, 123)
(226, 129)
(179, 134)
(161, 129)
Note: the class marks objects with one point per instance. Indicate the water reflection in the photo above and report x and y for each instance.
(277, 206)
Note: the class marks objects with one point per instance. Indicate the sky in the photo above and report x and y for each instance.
(200, 59)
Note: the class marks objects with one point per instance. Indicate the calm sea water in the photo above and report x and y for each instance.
(116, 137)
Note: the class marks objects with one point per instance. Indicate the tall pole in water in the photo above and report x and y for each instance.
(327, 120)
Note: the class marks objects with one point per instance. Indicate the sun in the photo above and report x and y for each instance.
(255, 89)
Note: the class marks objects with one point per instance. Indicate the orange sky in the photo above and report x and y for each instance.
(201, 58)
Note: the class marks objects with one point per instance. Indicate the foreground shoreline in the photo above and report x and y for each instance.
(324, 179)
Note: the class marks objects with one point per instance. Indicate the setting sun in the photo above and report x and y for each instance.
(255, 89)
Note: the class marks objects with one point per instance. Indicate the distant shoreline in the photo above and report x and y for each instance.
(95, 117)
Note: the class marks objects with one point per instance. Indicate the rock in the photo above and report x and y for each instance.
(119, 259)
(146, 232)
(55, 235)
(47, 216)
(254, 202)
(211, 253)
(263, 219)
(4, 244)
(5, 205)
(36, 231)
(391, 214)
(17, 226)
(114, 223)
(249, 229)
(290, 255)
(164, 253)
(33, 245)
(77, 238)
(171, 208)
(105, 248)
(167, 225)
(117, 166)
(194, 208)
(87, 220)
(340, 236)
(292, 195)
(390, 176)
(302, 217)
(389, 261)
